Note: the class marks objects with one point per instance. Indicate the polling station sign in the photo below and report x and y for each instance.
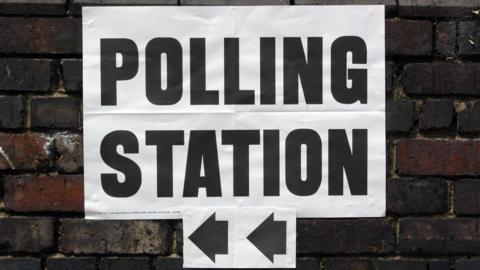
(188, 107)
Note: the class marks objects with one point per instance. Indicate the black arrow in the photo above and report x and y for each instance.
(270, 237)
(211, 237)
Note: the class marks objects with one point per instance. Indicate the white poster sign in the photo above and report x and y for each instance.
(276, 106)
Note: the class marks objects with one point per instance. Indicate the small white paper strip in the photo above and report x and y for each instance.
(239, 238)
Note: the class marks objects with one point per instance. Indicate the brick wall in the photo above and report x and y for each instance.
(433, 129)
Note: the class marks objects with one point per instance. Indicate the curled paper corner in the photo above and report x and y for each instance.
(88, 23)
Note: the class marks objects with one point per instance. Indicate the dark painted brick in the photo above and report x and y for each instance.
(69, 150)
(438, 157)
(407, 37)
(116, 237)
(40, 35)
(77, 4)
(175, 263)
(72, 75)
(20, 263)
(26, 234)
(25, 74)
(445, 36)
(439, 236)
(35, 7)
(348, 264)
(437, 265)
(55, 112)
(233, 2)
(308, 263)
(469, 37)
(390, 5)
(407, 264)
(435, 8)
(467, 264)
(468, 120)
(442, 78)
(389, 76)
(467, 197)
(12, 111)
(70, 263)
(400, 115)
(436, 114)
(126, 2)
(125, 263)
(178, 229)
(358, 236)
(411, 196)
(24, 151)
(30, 193)
(169, 263)
(390, 157)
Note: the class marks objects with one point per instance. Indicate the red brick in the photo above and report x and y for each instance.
(24, 151)
(438, 157)
(44, 193)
